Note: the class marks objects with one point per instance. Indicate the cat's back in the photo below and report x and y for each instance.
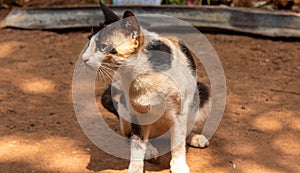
(168, 54)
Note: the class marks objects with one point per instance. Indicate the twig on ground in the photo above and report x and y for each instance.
(283, 91)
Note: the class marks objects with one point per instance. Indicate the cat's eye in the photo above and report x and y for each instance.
(103, 47)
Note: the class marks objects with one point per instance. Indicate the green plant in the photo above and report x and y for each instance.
(175, 1)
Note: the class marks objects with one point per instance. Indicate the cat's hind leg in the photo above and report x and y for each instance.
(151, 152)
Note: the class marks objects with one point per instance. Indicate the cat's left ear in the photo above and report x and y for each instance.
(110, 16)
(131, 25)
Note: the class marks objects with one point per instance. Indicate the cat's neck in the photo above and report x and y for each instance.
(131, 69)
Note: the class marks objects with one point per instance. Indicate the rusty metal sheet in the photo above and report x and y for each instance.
(253, 21)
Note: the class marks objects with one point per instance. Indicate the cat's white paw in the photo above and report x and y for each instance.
(199, 141)
(137, 155)
(136, 167)
(151, 152)
(179, 167)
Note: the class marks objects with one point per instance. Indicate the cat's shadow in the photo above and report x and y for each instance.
(99, 161)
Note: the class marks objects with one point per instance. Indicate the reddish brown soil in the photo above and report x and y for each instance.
(39, 131)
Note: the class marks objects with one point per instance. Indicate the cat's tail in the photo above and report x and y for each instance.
(204, 108)
(195, 138)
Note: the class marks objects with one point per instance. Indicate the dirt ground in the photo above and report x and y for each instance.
(39, 132)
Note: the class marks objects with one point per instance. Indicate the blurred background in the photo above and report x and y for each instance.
(293, 5)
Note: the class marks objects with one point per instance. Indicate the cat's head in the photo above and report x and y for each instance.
(119, 40)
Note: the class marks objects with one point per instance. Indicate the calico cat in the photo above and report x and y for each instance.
(157, 79)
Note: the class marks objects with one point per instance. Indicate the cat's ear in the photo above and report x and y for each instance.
(110, 16)
(131, 24)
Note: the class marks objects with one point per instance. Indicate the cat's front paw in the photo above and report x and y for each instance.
(136, 167)
(179, 167)
(199, 141)
(151, 152)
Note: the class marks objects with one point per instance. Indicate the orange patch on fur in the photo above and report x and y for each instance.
(131, 46)
(174, 40)
(141, 92)
(165, 41)
(127, 48)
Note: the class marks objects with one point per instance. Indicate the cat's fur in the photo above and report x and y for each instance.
(154, 70)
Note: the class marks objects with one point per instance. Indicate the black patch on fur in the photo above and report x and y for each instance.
(203, 93)
(189, 55)
(160, 55)
(107, 101)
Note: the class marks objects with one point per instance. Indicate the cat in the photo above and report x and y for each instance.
(157, 79)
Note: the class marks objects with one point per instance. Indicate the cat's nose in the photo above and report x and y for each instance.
(85, 58)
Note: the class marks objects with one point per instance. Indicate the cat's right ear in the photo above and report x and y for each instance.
(110, 16)
(131, 24)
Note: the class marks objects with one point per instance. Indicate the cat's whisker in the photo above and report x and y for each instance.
(107, 68)
(110, 65)
(102, 74)
(111, 76)
(106, 77)
(98, 75)
(108, 74)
